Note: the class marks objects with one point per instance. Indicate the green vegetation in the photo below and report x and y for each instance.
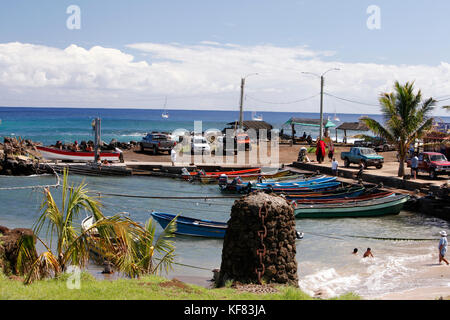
(129, 246)
(149, 288)
(406, 119)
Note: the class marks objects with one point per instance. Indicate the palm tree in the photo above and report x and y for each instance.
(117, 238)
(147, 248)
(406, 119)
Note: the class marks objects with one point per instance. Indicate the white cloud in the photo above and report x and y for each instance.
(204, 76)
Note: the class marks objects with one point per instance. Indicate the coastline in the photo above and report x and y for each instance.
(423, 293)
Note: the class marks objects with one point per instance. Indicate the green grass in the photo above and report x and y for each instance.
(148, 288)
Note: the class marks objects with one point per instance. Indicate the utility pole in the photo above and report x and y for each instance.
(241, 104)
(241, 108)
(321, 106)
(322, 80)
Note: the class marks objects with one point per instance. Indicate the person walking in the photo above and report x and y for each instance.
(443, 243)
(414, 166)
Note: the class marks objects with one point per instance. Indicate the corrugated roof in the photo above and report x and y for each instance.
(353, 126)
(310, 122)
(250, 124)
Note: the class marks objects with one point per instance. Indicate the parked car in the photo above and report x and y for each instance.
(157, 142)
(227, 144)
(368, 156)
(199, 144)
(433, 163)
(381, 145)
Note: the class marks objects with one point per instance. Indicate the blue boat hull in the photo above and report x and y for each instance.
(193, 227)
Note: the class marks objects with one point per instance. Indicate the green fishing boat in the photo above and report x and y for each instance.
(389, 205)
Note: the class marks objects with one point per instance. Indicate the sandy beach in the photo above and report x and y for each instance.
(427, 293)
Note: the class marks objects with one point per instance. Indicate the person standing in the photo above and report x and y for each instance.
(334, 167)
(414, 166)
(443, 243)
(331, 150)
(320, 151)
(173, 156)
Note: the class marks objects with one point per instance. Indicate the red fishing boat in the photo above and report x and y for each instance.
(51, 153)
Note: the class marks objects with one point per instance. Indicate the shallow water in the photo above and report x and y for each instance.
(324, 255)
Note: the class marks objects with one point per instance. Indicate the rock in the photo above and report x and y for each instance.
(9, 246)
(246, 238)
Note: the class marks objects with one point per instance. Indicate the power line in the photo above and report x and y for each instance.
(289, 102)
(352, 101)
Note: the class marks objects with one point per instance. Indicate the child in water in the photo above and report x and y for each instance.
(368, 253)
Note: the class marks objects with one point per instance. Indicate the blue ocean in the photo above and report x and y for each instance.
(325, 262)
(47, 125)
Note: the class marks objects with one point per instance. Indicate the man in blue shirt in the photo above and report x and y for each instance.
(443, 243)
(414, 166)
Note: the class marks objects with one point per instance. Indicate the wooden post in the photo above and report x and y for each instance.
(293, 135)
(97, 139)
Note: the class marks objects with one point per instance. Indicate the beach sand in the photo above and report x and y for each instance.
(434, 271)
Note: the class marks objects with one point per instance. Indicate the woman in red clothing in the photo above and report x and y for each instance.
(320, 151)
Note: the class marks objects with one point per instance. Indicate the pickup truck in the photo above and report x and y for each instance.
(433, 163)
(157, 142)
(368, 156)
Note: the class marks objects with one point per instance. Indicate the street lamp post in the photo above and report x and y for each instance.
(322, 80)
(242, 100)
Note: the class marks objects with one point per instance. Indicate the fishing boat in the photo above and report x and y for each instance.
(191, 226)
(231, 186)
(306, 188)
(342, 192)
(299, 183)
(372, 208)
(214, 174)
(244, 177)
(198, 227)
(347, 199)
(51, 153)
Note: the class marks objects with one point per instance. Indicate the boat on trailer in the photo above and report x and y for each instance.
(51, 153)
(389, 205)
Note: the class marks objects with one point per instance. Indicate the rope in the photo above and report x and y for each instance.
(163, 197)
(368, 237)
(58, 183)
(190, 266)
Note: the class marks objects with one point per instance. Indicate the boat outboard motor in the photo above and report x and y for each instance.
(302, 155)
(298, 235)
(223, 180)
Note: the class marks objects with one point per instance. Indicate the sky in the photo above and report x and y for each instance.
(134, 54)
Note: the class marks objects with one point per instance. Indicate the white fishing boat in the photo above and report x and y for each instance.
(51, 153)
